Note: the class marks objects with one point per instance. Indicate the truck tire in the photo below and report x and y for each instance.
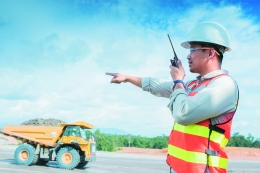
(24, 155)
(81, 165)
(35, 159)
(68, 158)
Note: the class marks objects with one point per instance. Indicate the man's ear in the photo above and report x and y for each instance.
(211, 53)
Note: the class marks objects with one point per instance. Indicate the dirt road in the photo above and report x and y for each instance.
(107, 162)
(115, 162)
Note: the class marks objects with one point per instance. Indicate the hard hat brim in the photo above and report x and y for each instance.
(186, 45)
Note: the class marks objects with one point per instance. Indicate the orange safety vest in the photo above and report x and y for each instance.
(198, 148)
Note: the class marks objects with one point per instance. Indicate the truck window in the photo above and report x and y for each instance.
(72, 131)
(83, 134)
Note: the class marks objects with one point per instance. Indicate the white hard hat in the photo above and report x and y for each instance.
(209, 32)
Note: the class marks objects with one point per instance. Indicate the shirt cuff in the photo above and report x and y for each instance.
(145, 83)
(176, 92)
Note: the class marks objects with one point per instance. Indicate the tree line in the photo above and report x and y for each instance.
(238, 140)
(113, 142)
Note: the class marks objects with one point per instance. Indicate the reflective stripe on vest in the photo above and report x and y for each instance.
(202, 131)
(197, 157)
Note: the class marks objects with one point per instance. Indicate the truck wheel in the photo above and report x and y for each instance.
(68, 158)
(35, 159)
(24, 155)
(82, 164)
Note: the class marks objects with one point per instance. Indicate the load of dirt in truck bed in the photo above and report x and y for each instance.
(43, 122)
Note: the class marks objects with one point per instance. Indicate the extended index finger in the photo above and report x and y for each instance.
(111, 74)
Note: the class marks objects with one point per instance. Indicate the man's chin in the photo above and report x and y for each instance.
(191, 70)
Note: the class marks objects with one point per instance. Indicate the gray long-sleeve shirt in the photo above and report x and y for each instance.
(218, 98)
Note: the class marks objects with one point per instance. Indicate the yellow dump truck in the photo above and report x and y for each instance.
(67, 144)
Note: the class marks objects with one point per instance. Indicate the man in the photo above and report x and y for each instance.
(203, 108)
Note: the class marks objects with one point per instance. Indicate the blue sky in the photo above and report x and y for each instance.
(54, 55)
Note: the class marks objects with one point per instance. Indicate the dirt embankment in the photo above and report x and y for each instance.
(8, 140)
(243, 153)
(232, 152)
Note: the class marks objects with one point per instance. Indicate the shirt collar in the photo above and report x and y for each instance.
(211, 74)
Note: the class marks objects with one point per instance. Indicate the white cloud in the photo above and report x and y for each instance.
(67, 80)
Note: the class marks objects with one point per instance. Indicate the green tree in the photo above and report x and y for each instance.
(237, 140)
(160, 142)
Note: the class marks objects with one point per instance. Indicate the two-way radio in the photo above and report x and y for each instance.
(174, 61)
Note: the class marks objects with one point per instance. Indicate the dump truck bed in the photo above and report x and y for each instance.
(43, 135)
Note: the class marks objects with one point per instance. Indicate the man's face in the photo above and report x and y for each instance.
(197, 59)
